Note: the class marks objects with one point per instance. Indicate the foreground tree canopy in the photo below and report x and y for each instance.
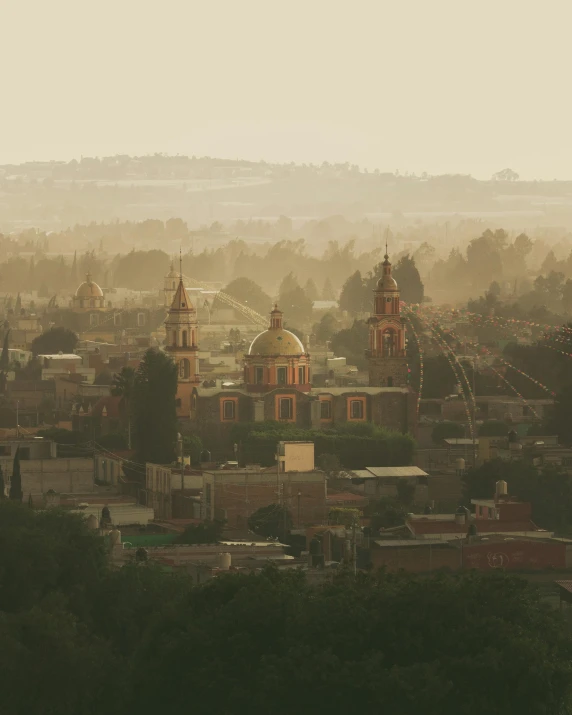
(80, 638)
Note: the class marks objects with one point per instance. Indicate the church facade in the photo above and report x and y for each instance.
(277, 380)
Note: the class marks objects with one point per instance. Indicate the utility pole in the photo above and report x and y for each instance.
(354, 548)
(474, 413)
(180, 441)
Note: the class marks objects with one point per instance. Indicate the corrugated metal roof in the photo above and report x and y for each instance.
(394, 472)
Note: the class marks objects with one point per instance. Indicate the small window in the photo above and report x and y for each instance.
(93, 319)
(228, 410)
(356, 410)
(185, 338)
(117, 319)
(258, 375)
(390, 382)
(286, 408)
(302, 375)
(174, 338)
(281, 373)
(326, 409)
(178, 402)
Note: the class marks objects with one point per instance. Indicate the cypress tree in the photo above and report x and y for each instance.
(16, 493)
(5, 357)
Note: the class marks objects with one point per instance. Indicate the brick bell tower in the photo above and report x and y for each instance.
(387, 358)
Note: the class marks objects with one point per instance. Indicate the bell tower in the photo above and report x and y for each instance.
(387, 358)
(181, 344)
(170, 285)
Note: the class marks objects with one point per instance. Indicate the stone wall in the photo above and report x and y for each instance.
(383, 367)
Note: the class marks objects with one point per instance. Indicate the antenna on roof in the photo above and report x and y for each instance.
(181, 262)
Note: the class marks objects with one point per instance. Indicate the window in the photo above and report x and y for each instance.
(356, 409)
(178, 402)
(302, 375)
(326, 409)
(258, 375)
(281, 374)
(228, 410)
(185, 338)
(390, 381)
(184, 369)
(93, 319)
(117, 319)
(174, 338)
(286, 408)
(140, 319)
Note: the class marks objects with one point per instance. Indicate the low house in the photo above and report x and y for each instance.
(378, 482)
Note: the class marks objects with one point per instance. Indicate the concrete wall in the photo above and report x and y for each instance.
(68, 476)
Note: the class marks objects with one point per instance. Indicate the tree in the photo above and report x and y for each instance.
(2, 484)
(273, 520)
(493, 428)
(411, 289)
(122, 384)
(46, 551)
(296, 305)
(410, 645)
(5, 358)
(327, 326)
(330, 464)
(207, 532)
(311, 290)
(288, 284)
(559, 421)
(154, 411)
(193, 446)
(386, 513)
(104, 378)
(447, 430)
(549, 490)
(351, 342)
(405, 493)
(352, 297)
(55, 340)
(250, 293)
(328, 291)
(16, 493)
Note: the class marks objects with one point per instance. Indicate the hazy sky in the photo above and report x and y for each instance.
(416, 85)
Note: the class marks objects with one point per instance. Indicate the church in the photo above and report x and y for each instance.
(278, 381)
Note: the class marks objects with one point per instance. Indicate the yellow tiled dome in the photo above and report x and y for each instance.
(276, 341)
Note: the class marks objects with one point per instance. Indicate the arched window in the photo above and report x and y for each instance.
(389, 343)
(174, 338)
(184, 369)
(185, 339)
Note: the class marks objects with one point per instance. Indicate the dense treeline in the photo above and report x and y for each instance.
(80, 638)
(355, 446)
